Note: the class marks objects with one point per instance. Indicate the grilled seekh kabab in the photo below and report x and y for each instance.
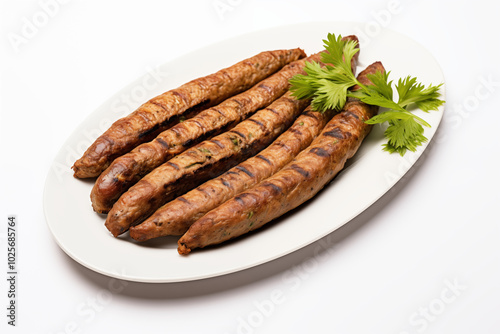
(202, 162)
(187, 170)
(131, 167)
(175, 217)
(296, 183)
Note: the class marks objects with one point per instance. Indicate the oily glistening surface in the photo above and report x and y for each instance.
(81, 234)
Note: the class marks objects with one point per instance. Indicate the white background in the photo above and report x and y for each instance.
(425, 258)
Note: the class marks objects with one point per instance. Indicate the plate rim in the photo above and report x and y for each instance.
(136, 278)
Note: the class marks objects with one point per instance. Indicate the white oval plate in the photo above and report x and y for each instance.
(80, 232)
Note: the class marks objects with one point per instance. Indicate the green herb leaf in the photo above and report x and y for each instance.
(412, 92)
(328, 87)
(404, 134)
(381, 84)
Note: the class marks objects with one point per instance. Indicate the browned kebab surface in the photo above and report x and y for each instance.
(126, 170)
(202, 162)
(296, 183)
(191, 168)
(161, 112)
(175, 217)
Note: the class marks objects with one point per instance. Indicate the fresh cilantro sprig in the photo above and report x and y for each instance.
(328, 88)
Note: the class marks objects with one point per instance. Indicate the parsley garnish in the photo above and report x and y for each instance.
(328, 86)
